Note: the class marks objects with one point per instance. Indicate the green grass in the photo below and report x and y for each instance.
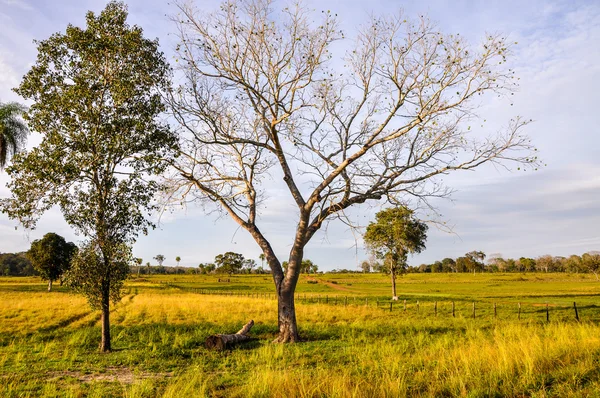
(48, 341)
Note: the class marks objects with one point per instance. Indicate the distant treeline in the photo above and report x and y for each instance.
(586, 263)
(16, 264)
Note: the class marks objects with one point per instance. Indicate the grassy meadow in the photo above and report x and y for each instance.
(354, 345)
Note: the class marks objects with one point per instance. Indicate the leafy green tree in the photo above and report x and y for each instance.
(51, 256)
(13, 131)
(591, 262)
(308, 267)
(249, 264)
(159, 259)
(395, 234)
(178, 259)
(573, 264)
(365, 266)
(462, 264)
(97, 98)
(229, 263)
(436, 267)
(448, 265)
(528, 264)
(475, 261)
(88, 276)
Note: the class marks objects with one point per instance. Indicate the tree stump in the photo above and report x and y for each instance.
(220, 342)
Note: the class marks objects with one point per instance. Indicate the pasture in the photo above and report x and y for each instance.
(355, 345)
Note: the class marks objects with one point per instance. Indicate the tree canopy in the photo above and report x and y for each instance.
(51, 256)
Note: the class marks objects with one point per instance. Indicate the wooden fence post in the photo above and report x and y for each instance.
(417, 306)
(547, 313)
(576, 313)
(435, 308)
(473, 310)
(391, 306)
(495, 313)
(453, 310)
(405, 305)
(519, 311)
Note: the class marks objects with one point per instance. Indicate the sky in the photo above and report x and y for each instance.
(555, 210)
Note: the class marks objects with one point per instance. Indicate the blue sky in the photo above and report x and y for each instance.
(552, 211)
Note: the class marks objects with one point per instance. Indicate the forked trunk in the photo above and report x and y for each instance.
(288, 328)
(105, 342)
(50, 285)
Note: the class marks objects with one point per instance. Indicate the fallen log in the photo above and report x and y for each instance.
(222, 341)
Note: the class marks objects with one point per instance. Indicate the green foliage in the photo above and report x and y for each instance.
(13, 132)
(308, 267)
(395, 234)
(97, 99)
(51, 256)
(159, 259)
(99, 272)
(15, 264)
(229, 263)
(96, 94)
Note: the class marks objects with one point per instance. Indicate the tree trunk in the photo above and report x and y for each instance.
(105, 342)
(393, 273)
(222, 341)
(288, 328)
(49, 285)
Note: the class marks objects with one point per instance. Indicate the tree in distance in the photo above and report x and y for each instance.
(395, 234)
(365, 267)
(13, 131)
(229, 263)
(308, 267)
(51, 257)
(138, 261)
(266, 92)
(178, 259)
(475, 261)
(159, 259)
(96, 93)
(249, 264)
(591, 262)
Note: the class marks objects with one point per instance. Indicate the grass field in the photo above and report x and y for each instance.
(354, 346)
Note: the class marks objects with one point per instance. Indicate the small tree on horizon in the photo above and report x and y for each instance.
(230, 262)
(178, 259)
(395, 234)
(159, 259)
(51, 256)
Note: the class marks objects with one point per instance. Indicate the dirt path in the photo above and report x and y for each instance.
(329, 284)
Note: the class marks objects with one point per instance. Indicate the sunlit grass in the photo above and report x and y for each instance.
(48, 341)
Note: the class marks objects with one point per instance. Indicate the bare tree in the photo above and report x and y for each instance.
(262, 94)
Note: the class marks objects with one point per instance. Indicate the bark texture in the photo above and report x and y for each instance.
(288, 329)
(105, 345)
(220, 342)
